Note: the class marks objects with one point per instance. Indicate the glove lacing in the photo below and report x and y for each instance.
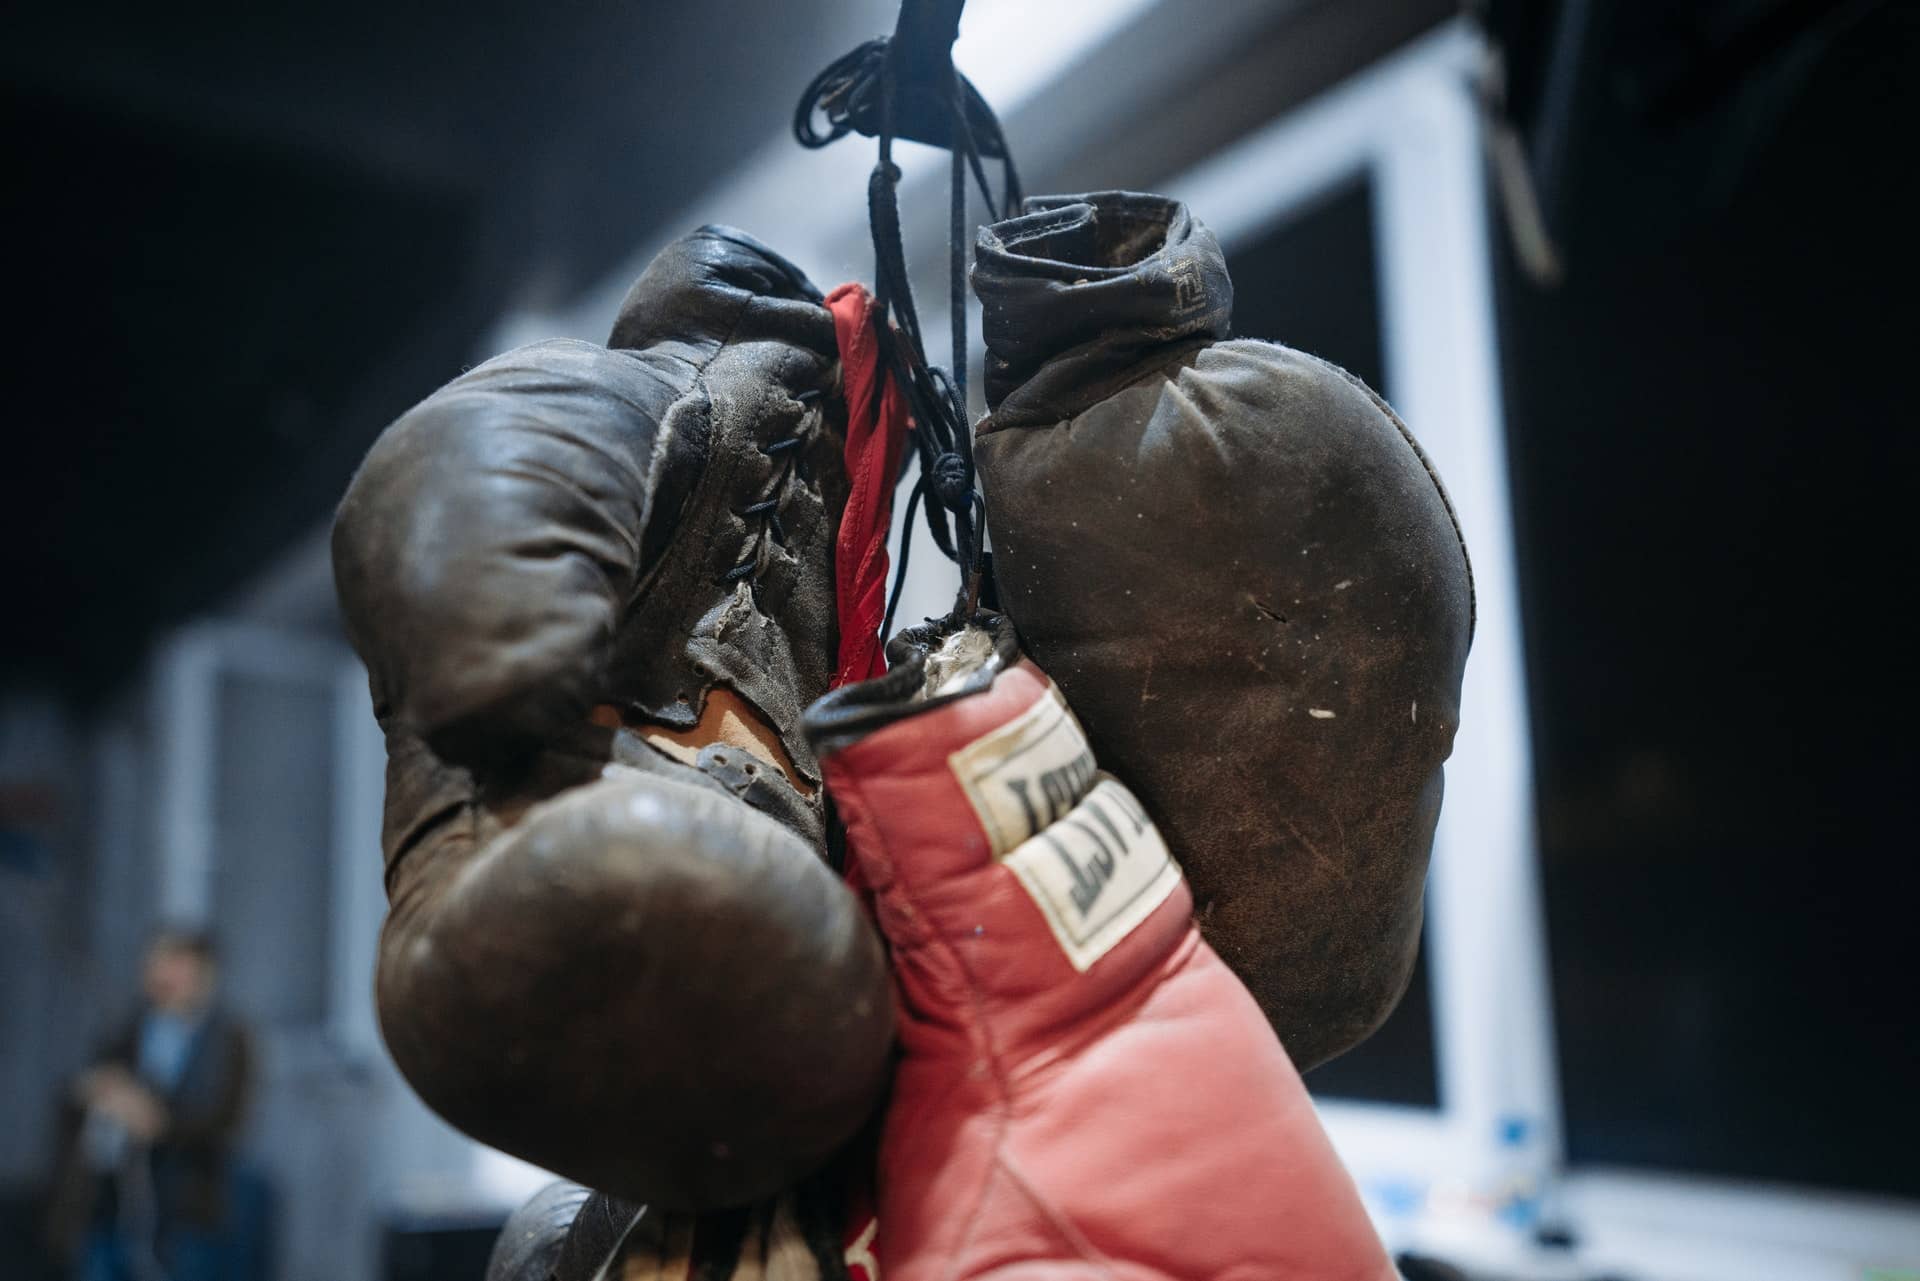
(789, 454)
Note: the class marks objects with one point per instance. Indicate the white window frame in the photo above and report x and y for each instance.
(187, 672)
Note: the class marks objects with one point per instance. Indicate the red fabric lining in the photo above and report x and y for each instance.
(876, 433)
(877, 424)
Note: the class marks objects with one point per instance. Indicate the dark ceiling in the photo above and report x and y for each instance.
(245, 238)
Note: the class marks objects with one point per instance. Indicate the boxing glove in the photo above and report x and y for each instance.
(1084, 1089)
(594, 589)
(1246, 578)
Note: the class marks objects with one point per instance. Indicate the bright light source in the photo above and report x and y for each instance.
(1011, 48)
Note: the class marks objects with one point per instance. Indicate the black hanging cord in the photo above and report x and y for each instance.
(907, 87)
(906, 547)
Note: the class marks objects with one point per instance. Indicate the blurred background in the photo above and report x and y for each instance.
(1633, 271)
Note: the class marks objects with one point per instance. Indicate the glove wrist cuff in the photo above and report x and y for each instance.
(1079, 292)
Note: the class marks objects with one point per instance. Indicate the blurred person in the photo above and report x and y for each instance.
(148, 1129)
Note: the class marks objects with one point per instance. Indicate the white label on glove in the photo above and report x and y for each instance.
(1097, 872)
(1028, 773)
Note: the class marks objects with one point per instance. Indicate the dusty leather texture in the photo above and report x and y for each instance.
(1080, 293)
(633, 970)
(1246, 579)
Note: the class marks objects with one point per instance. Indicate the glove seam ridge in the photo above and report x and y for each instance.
(1439, 486)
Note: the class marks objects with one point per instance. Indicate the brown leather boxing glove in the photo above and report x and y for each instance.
(593, 587)
(1246, 578)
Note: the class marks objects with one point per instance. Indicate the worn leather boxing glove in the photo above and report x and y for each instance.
(1248, 581)
(593, 588)
(1085, 1090)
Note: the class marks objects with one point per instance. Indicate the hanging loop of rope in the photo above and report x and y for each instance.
(907, 87)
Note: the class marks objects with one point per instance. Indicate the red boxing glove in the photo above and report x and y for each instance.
(1086, 1090)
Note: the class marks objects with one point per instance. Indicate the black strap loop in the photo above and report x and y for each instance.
(907, 87)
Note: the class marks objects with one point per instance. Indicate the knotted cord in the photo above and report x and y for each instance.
(859, 91)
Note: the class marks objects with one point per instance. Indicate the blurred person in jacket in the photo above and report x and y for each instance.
(149, 1128)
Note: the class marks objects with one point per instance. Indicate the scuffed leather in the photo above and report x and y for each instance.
(509, 537)
(1080, 293)
(634, 971)
(1247, 580)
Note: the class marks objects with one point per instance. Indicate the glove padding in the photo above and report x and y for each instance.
(626, 963)
(1247, 580)
(1085, 1089)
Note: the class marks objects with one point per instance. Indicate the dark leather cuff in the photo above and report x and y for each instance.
(1082, 294)
(846, 715)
